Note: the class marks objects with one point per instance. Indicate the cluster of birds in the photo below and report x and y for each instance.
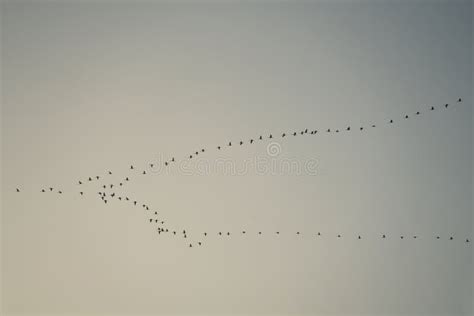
(106, 193)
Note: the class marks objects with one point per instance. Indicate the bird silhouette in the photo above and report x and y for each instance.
(126, 179)
(451, 238)
(383, 236)
(97, 177)
(230, 143)
(241, 142)
(418, 113)
(432, 108)
(306, 131)
(42, 190)
(260, 137)
(166, 163)
(120, 183)
(294, 134)
(219, 147)
(329, 130)
(110, 172)
(80, 182)
(172, 159)
(134, 202)
(202, 150)
(251, 141)
(373, 125)
(190, 156)
(197, 153)
(348, 128)
(50, 189)
(144, 172)
(82, 193)
(459, 100)
(151, 165)
(60, 192)
(337, 131)
(406, 116)
(283, 135)
(446, 105)
(90, 179)
(359, 237)
(131, 167)
(17, 190)
(338, 236)
(270, 136)
(361, 128)
(391, 121)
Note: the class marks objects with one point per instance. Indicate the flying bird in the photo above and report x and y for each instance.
(348, 128)
(241, 142)
(251, 141)
(459, 100)
(446, 105)
(82, 193)
(17, 190)
(283, 135)
(80, 182)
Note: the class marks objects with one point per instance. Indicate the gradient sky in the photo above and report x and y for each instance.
(91, 86)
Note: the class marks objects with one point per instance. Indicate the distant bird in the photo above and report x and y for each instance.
(373, 125)
(361, 128)
(302, 132)
(219, 147)
(151, 220)
(383, 236)
(283, 135)
(199, 243)
(205, 234)
(338, 236)
(406, 116)
(451, 238)
(50, 189)
(134, 202)
(391, 121)
(131, 167)
(312, 132)
(60, 192)
(17, 190)
(144, 172)
(228, 233)
(111, 186)
(359, 237)
(306, 131)
(172, 159)
(110, 172)
(90, 179)
(337, 131)
(197, 153)
(329, 130)
(414, 237)
(120, 198)
(126, 179)
(467, 240)
(190, 245)
(437, 237)
(260, 137)
(190, 156)
(156, 213)
(319, 234)
(277, 233)
(220, 233)
(202, 150)
(230, 143)
(418, 113)
(104, 186)
(432, 108)
(82, 193)
(459, 100)
(270, 136)
(42, 190)
(113, 194)
(151, 165)
(251, 141)
(446, 105)
(120, 183)
(243, 232)
(80, 182)
(97, 177)
(259, 233)
(348, 128)
(241, 142)
(166, 163)
(297, 233)
(401, 237)
(105, 201)
(294, 134)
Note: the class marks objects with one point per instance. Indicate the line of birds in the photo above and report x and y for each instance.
(305, 131)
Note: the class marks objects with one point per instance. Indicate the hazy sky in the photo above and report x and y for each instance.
(92, 86)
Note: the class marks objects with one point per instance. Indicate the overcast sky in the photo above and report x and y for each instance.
(93, 86)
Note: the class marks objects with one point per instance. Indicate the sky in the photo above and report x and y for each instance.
(89, 87)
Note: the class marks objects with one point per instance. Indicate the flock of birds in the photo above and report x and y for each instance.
(107, 192)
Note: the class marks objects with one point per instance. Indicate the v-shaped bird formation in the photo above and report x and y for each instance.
(104, 189)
